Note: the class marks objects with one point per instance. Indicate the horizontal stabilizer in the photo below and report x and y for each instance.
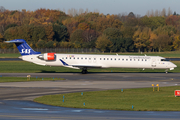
(23, 47)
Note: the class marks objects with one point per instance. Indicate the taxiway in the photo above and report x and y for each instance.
(16, 98)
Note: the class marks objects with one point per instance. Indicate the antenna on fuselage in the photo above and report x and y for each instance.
(116, 54)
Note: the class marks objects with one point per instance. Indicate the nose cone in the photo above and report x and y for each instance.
(172, 66)
(175, 65)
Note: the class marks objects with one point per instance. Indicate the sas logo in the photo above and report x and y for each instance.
(26, 51)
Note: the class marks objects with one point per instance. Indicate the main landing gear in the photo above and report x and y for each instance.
(84, 71)
(166, 71)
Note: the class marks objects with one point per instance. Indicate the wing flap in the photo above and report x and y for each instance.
(87, 66)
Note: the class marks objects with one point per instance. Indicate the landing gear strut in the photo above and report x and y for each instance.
(166, 71)
(84, 71)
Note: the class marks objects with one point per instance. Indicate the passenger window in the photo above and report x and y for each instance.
(70, 57)
(78, 58)
(62, 57)
(89, 58)
(66, 57)
(119, 59)
(85, 58)
(142, 59)
(122, 59)
(111, 58)
(130, 59)
(134, 59)
(81, 58)
(74, 57)
(104, 58)
(100, 58)
(145, 60)
(126, 59)
(114, 58)
(94, 58)
(107, 58)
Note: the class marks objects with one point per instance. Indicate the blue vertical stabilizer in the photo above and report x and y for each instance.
(23, 47)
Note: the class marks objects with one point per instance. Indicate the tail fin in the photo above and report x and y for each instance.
(23, 47)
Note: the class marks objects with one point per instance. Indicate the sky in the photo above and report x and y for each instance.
(139, 7)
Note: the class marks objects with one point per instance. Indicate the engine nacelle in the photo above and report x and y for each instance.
(47, 56)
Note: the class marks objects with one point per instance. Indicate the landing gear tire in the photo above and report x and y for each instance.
(84, 71)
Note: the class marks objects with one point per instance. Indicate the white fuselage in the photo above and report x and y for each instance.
(104, 61)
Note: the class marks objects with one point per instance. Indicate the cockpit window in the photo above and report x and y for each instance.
(164, 60)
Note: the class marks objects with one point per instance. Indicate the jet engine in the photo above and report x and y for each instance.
(47, 56)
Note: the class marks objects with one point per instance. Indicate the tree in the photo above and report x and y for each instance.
(65, 44)
(113, 33)
(77, 36)
(83, 26)
(131, 21)
(40, 44)
(162, 42)
(103, 43)
(49, 32)
(153, 38)
(89, 35)
(1, 38)
(117, 45)
(173, 20)
(38, 33)
(60, 32)
(152, 22)
(89, 38)
(49, 44)
(2, 9)
(128, 44)
(10, 25)
(131, 14)
(141, 38)
(128, 31)
(176, 42)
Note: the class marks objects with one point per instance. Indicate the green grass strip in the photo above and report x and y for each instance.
(142, 99)
(25, 79)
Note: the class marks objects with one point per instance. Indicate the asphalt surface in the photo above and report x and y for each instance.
(16, 98)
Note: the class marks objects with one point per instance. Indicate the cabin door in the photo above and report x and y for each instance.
(153, 62)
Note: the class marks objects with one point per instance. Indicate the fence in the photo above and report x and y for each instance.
(56, 50)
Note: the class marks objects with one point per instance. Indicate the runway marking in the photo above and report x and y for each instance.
(40, 109)
(77, 110)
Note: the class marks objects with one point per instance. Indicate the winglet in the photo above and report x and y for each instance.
(64, 63)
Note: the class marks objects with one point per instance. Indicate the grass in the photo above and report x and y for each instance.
(10, 55)
(26, 67)
(171, 54)
(142, 99)
(24, 79)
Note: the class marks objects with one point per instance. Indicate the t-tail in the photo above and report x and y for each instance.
(23, 47)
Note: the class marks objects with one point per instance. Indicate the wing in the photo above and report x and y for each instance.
(80, 66)
(87, 66)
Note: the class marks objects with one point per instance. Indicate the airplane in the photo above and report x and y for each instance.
(89, 61)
